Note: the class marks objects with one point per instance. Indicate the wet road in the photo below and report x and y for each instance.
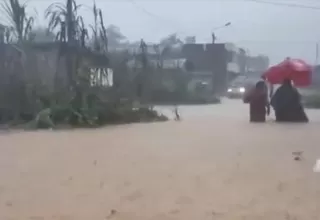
(211, 165)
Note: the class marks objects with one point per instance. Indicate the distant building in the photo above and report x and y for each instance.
(243, 63)
(216, 64)
(258, 63)
(209, 60)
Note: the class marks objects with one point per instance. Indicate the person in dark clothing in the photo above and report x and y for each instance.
(258, 100)
(286, 103)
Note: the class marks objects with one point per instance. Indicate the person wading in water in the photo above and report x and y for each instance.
(286, 103)
(259, 104)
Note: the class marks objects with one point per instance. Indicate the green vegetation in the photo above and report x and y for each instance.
(75, 93)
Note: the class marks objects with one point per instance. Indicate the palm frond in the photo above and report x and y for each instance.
(55, 20)
(103, 31)
(95, 13)
(53, 6)
(7, 11)
(28, 27)
(66, 14)
(17, 17)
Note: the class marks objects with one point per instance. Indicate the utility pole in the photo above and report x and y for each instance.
(214, 74)
(213, 38)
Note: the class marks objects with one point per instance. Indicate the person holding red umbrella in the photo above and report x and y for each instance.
(286, 103)
(286, 100)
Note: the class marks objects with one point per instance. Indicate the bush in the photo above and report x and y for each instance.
(85, 109)
(94, 117)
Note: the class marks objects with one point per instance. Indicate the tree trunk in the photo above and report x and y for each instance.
(70, 44)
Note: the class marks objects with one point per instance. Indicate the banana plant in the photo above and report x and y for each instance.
(65, 18)
(20, 24)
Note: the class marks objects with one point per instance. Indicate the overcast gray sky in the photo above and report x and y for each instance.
(275, 30)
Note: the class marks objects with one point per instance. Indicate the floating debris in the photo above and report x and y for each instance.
(297, 155)
(112, 213)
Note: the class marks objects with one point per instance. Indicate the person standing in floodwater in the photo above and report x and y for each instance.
(287, 104)
(259, 104)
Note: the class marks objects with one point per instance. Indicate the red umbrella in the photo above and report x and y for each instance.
(295, 69)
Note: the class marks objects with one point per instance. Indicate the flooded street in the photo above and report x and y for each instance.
(211, 165)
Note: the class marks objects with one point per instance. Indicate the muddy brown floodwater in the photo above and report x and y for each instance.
(206, 167)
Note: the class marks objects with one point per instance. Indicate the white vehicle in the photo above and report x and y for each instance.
(240, 85)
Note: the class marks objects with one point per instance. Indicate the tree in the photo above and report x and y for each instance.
(65, 18)
(18, 27)
(100, 38)
(143, 79)
(100, 43)
(83, 33)
(71, 31)
(2, 33)
(20, 24)
(115, 37)
(170, 40)
(168, 44)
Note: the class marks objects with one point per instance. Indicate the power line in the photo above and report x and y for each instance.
(292, 5)
(135, 4)
(284, 42)
(139, 7)
(142, 9)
